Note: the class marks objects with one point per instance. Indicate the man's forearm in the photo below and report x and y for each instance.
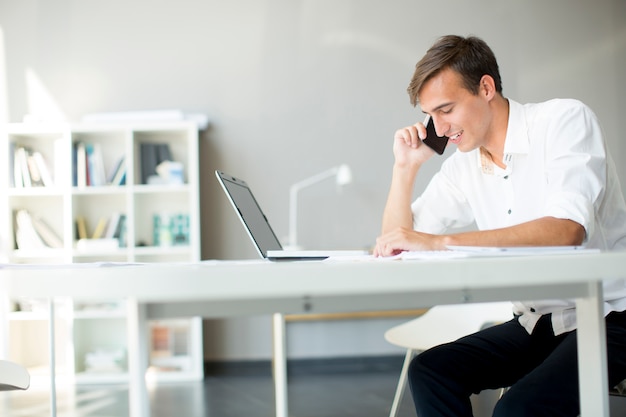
(397, 211)
(545, 231)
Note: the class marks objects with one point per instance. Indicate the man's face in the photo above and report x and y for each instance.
(457, 113)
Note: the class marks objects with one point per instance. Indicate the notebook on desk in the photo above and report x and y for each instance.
(259, 229)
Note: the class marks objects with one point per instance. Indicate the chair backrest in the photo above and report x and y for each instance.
(445, 323)
(13, 376)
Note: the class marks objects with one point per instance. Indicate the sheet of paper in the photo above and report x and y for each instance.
(456, 252)
(521, 250)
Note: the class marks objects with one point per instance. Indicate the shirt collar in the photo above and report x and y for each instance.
(515, 142)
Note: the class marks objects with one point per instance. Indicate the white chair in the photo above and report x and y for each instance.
(441, 324)
(13, 376)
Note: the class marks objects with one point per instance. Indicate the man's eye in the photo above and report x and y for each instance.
(446, 111)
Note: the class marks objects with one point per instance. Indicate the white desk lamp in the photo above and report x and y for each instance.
(343, 176)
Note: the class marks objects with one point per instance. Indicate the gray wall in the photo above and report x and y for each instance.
(293, 88)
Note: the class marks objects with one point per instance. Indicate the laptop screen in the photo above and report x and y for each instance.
(249, 213)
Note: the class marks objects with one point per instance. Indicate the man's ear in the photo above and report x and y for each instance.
(487, 87)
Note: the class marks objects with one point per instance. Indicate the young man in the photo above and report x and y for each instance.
(527, 175)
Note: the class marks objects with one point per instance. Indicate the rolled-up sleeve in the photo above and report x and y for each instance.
(442, 206)
(575, 167)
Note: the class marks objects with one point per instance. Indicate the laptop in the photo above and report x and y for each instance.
(258, 227)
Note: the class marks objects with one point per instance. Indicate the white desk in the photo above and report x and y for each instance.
(218, 289)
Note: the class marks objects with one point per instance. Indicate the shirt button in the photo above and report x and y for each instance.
(532, 310)
(506, 177)
(509, 212)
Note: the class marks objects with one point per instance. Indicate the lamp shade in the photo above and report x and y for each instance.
(344, 175)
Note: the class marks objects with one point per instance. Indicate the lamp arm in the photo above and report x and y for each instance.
(293, 212)
(307, 182)
(293, 200)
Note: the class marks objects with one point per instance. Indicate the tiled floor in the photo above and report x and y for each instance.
(337, 395)
(360, 395)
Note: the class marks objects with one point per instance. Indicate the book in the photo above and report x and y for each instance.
(149, 161)
(117, 176)
(121, 179)
(22, 162)
(18, 181)
(161, 234)
(120, 232)
(26, 237)
(49, 236)
(163, 153)
(98, 232)
(74, 165)
(81, 228)
(152, 154)
(89, 164)
(112, 225)
(95, 165)
(81, 165)
(33, 170)
(179, 228)
(99, 171)
(42, 167)
(11, 164)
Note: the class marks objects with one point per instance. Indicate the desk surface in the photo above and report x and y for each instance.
(312, 286)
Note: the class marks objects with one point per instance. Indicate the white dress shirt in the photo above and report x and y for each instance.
(557, 166)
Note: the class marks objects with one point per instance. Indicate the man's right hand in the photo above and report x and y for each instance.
(408, 148)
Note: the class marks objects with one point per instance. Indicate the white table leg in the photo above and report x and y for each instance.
(592, 371)
(137, 327)
(4, 347)
(52, 353)
(4, 326)
(280, 364)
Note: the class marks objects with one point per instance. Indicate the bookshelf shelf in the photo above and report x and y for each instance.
(35, 192)
(105, 314)
(28, 316)
(102, 201)
(100, 190)
(23, 256)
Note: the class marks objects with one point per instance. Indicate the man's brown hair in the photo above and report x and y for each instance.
(470, 57)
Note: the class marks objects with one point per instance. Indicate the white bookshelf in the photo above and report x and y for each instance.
(98, 331)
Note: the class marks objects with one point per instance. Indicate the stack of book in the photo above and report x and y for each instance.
(152, 154)
(88, 167)
(109, 233)
(32, 232)
(170, 229)
(30, 168)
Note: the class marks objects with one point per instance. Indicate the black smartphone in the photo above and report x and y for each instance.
(436, 143)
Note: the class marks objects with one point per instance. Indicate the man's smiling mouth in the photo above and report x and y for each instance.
(456, 137)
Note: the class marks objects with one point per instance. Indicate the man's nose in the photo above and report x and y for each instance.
(441, 126)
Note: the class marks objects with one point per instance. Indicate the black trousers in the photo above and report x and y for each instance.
(541, 370)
